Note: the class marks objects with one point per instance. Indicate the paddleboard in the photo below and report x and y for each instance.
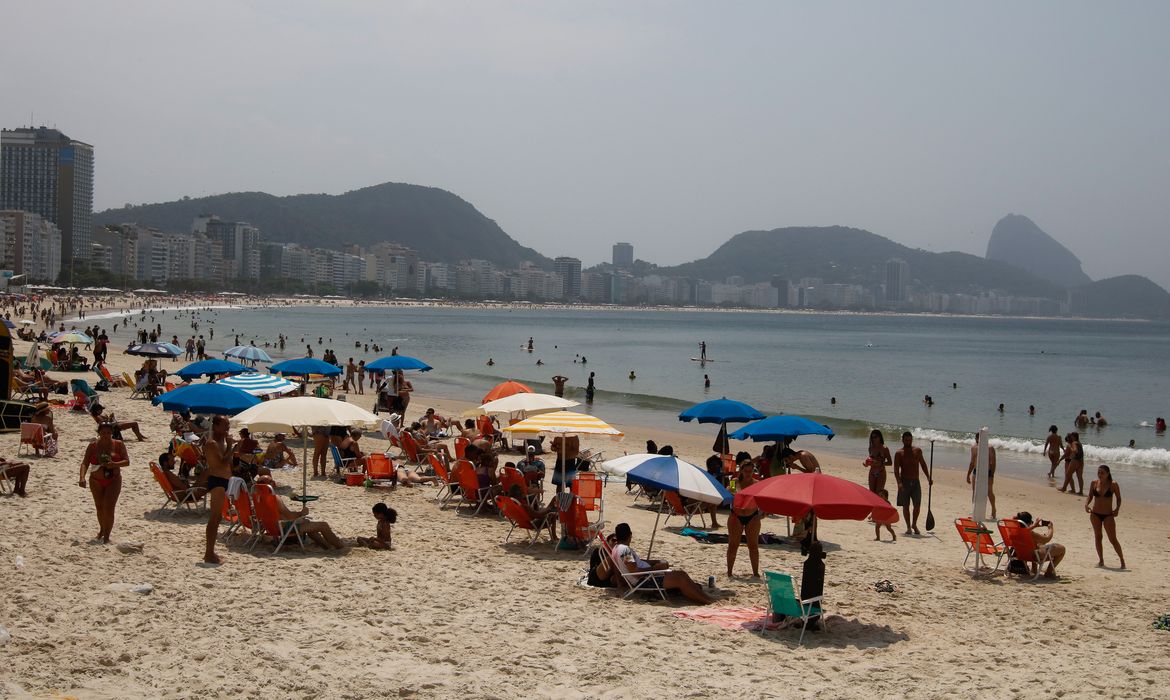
(699, 359)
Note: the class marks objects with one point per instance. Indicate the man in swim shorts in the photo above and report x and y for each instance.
(217, 449)
(907, 462)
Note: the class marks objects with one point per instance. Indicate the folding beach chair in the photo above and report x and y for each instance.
(267, 513)
(645, 581)
(977, 540)
(1022, 545)
(461, 444)
(409, 447)
(239, 515)
(675, 506)
(470, 491)
(32, 435)
(379, 467)
(511, 476)
(514, 512)
(782, 600)
(340, 464)
(447, 483)
(141, 388)
(175, 497)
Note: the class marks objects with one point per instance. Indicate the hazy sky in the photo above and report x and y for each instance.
(671, 125)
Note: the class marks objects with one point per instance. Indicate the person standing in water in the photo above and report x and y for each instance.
(703, 351)
(559, 385)
(589, 388)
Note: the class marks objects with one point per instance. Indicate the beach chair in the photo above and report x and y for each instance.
(32, 436)
(782, 600)
(127, 380)
(645, 581)
(461, 444)
(675, 506)
(470, 492)
(448, 485)
(379, 466)
(6, 486)
(141, 388)
(410, 448)
(514, 512)
(511, 476)
(175, 497)
(267, 513)
(589, 492)
(1022, 545)
(579, 525)
(240, 517)
(340, 464)
(977, 540)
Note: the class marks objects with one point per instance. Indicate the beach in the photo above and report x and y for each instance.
(453, 612)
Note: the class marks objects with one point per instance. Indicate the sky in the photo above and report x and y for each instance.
(670, 125)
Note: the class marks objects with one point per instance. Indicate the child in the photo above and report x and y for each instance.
(386, 517)
(877, 527)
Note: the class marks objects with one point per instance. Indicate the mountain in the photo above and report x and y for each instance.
(1018, 241)
(1127, 296)
(439, 225)
(849, 255)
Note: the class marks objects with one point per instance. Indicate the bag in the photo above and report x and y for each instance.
(50, 446)
(103, 385)
(1017, 567)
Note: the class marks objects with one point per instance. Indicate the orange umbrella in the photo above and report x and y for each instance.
(507, 388)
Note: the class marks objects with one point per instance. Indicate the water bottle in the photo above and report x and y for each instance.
(710, 583)
(19, 561)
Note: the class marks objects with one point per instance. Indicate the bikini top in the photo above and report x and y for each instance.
(1106, 494)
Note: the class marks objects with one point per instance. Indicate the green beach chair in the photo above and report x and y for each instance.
(782, 600)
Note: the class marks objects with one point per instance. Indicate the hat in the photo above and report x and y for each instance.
(531, 449)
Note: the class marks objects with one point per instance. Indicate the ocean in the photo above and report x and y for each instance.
(879, 368)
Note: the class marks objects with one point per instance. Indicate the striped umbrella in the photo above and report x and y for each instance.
(258, 384)
(247, 352)
(155, 350)
(565, 423)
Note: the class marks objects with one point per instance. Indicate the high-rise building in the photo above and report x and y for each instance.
(570, 271)
(897, 281)
(623, 256)
(45, 172)
(30, 245)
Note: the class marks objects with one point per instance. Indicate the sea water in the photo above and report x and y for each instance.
(879, 368)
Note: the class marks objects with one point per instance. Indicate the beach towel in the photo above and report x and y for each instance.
(388, 429)
(722, 538)
(233, 488)
(739, 619)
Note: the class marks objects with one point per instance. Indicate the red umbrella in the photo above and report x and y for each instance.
(830, 498)
(507, 388)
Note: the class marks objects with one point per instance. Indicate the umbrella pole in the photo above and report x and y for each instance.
(650, 548)
(304, 460)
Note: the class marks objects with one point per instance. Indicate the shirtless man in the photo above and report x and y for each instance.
(907, 462)
(559, 385)
(990, 472)
(350, 371)
(217, 449)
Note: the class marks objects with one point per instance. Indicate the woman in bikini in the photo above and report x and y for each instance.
(879, 459)
(744, 521)
(1052, 449)
(1102, 512)
(102, 463)
(1074, 463)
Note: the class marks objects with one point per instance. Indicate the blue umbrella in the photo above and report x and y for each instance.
(9, 324)
(206, 398)
(396, 362)
(155, 350)
(669, 473)
(247, 352)
(209, 367)
(304, 366)
(722, 410)
(778, 428)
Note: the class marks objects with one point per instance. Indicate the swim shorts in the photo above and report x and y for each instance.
(910, 491)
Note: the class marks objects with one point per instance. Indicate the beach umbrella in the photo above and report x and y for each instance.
(258, 384)
(565, 423)
(9, 324)
(70, 337)
(829, 497)
(155, 350)
(669, 473)
(778, 428)
(248, 352)
(505, 389)
(525, 403)
(303, 412)
(210, 367)
(27, 322)
(721, 411)
(206, 398)
(398, 362)
(304, 366)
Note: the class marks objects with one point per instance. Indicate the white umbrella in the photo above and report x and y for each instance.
(303, 412)
(524, 403)
(258, 384)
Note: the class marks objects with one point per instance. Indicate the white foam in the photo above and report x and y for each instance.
(1151, 458)
(149, 310)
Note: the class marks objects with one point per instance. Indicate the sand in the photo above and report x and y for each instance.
(453, 612)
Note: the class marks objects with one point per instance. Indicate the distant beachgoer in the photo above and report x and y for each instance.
(632, 376)
(530, 344)
(1102, 512)
(703, 351)
(908, 462)
(589, 389)
(1052, 446)
(559, 385)
(1132, 444)
(350, 373)
(990, 472)
(1031, 410)
(583, 360)
(833, 401)
(1100, 420)
(1000, 409)
(706, 382)
(1074, 463)
(1160, 425)
(361, 377)
(1082, 419)
(879, 458)
(954, 385)
(490, 362)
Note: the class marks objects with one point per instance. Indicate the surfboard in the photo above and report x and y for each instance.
(699, 359)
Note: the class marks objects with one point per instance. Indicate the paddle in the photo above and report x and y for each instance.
(929, 491)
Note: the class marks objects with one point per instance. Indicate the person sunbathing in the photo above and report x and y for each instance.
(675, 580)
(409, 477)
(277, 455)
(17, 473)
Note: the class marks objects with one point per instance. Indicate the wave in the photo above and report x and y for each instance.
(149, 310)
(1151, 457)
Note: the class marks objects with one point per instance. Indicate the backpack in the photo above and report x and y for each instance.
(1017, 567)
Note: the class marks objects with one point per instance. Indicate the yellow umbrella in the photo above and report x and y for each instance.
(565, 423)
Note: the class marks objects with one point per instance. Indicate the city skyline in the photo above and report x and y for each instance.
(673, 130)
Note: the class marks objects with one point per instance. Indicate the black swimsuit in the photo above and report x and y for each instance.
(1108, 494)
